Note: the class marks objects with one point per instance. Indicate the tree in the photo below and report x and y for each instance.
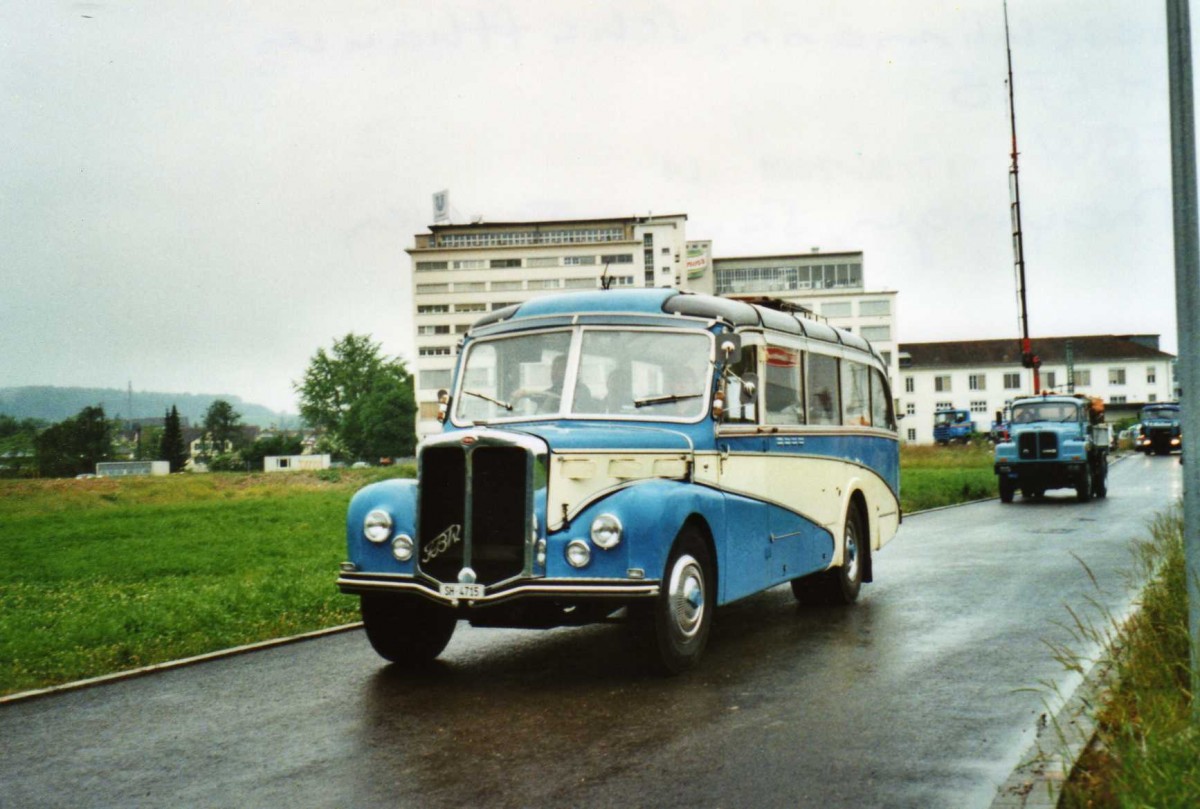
(361, 398)
(74, 446)
(253, 454)
(172, 448)
(223, 424)
(18, 450)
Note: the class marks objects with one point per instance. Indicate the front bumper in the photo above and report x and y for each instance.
(358, 583)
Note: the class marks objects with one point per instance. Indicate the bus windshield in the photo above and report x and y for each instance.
(617, 373)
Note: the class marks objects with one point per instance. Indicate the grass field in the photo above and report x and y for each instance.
(103, 575)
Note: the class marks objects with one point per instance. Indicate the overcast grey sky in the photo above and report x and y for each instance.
(195, 196)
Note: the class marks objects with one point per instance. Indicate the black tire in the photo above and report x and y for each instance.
(1007, 489)
(673, 629)
(1083, 488)
(838, 585)
(408, 630)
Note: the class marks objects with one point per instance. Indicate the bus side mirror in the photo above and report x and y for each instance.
(729, 348)
(443, 405)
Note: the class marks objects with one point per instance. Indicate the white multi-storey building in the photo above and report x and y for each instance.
(982, 376)
(462, 271)
(827, 284)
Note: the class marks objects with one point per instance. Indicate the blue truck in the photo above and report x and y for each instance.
(952, 425)
(1160, 429)
(1054, 442)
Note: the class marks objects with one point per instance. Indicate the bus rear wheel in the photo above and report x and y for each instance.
(838, 585)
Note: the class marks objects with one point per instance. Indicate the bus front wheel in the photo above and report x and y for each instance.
(408, 630)
(673, 629)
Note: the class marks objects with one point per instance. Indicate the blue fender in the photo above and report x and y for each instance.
(399, 499)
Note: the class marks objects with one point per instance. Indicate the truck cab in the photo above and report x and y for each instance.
(952, 425)
(1160, 429)
(1054, 442)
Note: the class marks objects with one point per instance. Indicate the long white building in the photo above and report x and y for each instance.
(982, 376)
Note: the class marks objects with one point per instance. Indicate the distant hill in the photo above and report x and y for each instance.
(56, 404)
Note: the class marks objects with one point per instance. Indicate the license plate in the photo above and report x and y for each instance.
(462, 590)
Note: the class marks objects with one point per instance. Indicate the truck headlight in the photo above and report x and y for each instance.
(606, 531)
(377, 527)
(402, 547)
(578, 553)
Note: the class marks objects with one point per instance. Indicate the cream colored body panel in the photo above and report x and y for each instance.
(578, 477)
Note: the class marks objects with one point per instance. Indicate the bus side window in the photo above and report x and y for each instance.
(882, 414)
(783, 397)
(735, 411)
(824, 406)
(856, 394)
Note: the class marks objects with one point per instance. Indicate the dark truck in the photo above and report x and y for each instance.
(1160, 429)
(1055, 442)
(951, 425)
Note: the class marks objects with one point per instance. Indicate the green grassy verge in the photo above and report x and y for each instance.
(103, 575)
(1148, 751)
(932, 476)
(98, 576)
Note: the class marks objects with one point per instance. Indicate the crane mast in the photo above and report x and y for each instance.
(1028, 358)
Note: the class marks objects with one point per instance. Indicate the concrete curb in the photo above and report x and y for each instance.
(23, 696)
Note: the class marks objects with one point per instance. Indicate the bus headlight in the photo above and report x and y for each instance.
(377, 527)
(606, 531)
(578, 553)
(402, 547)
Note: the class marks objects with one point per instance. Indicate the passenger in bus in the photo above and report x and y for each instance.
(619, 395)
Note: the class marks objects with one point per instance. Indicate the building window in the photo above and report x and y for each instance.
(886, 356)
(1012, 381)
(550, 283)
(876, 333)
(462, 328)
(500, 263)
(502, 304)
(578, 261)
(434, 351)
(910, 409)
(944, 406)
(470, 286)
(580, 283)
(979, 406)
(622, 280)
(1082, 378)
(874, 308)
(429, 289)
(912, 435)
(439, 378)
(433, 309)
(426, 330)
(1151, 375)
(429, 410)
(507, 286)
(1152, 398)
(977, 382)
(470, 307)
(910, 384)
(470, 264)
(1050, 383)
(1117, 400)
(1116, 376)
(425, 266)
(542, 261)
(836, 309)
(617, 258)
(941, 384)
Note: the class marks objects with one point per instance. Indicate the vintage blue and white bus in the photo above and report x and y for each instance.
(643, 455)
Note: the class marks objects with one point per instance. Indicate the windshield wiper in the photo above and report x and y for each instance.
(670, 397)
(487, 398)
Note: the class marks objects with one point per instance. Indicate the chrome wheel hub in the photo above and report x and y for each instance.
(851, 552)
(686, 595)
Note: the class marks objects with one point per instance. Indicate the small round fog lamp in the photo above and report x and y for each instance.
(402, 547)
(578, 553)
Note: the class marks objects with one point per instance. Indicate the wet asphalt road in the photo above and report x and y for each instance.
(915, 697)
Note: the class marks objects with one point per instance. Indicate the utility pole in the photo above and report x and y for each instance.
(1187, 301)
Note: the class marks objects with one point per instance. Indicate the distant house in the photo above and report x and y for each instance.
(292, 463)
(117, 469)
